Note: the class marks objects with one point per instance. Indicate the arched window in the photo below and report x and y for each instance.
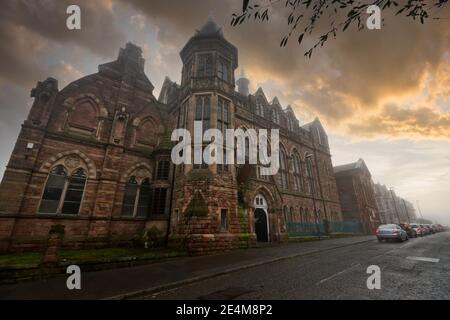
(259, 107)
(53, 190)
(310, 174)
(74, 192)
(286, 214)
(136, 200)
(147, 133)
(83, 117)
(223, 124)
(63, 194)
(292, 214)
(283, 171)
(275, 116)
(202, 113)
(297, 172)
(301, 215)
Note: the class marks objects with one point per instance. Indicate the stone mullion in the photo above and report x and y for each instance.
(63, 195)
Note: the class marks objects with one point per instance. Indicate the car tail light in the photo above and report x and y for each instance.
(394, 231)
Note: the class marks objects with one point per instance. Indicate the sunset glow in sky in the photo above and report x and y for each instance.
(382, 95)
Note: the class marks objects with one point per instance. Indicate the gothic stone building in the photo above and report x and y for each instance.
(95, 157)
(392, 208)
(357, 195)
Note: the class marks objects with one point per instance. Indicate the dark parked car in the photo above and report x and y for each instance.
(391, 232)
(409, 230)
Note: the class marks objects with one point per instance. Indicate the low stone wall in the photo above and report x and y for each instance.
(19, 233)
(201, 244)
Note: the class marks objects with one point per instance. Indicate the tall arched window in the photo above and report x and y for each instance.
(62, 193)
(290, 123)
(202, 113)
(297, 172)
(136, 200)
(144, 199)
(310, 174)
(74, 192)
(259, 107)
(275, 116)
(283, 171)
(286, 214)
(129, 198)
(292, 215)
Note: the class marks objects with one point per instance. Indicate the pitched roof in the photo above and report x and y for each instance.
(360, 164)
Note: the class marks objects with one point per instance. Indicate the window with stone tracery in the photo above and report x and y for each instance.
(136, 200)
(63, 191)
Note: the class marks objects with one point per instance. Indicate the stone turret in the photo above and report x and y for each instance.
(242, 84)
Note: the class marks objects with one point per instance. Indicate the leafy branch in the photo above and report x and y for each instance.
(304, 15)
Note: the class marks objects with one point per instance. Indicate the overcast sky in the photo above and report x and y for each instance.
(383, 95)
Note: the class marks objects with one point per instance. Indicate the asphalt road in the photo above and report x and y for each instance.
(338, 274)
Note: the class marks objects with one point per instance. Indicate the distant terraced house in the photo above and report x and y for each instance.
(95, 157)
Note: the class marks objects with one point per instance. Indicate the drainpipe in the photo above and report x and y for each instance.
(174, 167)
(308, 165)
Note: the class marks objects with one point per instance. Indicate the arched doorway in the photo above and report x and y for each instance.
(261, 219)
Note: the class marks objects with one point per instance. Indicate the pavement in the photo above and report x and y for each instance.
(415, 269)
(149, 280)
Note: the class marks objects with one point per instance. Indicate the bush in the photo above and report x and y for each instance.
(152, 237)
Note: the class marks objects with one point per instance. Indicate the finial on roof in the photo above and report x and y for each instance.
(210, 16)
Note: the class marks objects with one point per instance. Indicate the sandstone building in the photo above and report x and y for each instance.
(392, 208)
(357, 195)
(95, 157)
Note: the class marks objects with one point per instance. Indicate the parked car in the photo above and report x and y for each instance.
(430, 227)
(391, 232)
(425, 229)
(409, 230)
(418, 229)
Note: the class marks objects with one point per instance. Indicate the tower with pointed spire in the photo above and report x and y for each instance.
(207, 96)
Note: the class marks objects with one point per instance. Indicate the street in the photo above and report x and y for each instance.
(406, 273)
(328, 269)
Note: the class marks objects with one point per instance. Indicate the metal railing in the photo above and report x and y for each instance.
(304, 229)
